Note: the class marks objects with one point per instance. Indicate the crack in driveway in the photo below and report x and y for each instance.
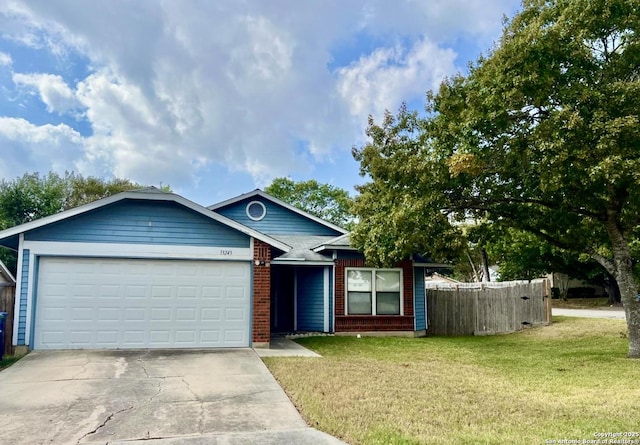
(195, 396)
(107, 420)
(84, 369)
(140, 361)
(153, 397)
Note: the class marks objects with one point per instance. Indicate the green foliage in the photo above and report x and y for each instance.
(31, 197)
(400, 211)
(85, 190)
(542, 136)
(322, 200)
(522, 255)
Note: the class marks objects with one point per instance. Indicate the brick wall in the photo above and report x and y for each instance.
(352, 323)
(407, 275)
(340, 283)
(261, 292)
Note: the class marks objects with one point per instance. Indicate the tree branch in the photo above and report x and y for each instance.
(604, 262)
(484, 205)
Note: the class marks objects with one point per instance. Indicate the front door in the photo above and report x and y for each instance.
(282, 298)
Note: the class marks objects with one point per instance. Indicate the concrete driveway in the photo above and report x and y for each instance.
(154, 397)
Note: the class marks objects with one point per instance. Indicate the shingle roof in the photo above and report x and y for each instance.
(301, 247)
(303, 255)
(302, 241)
(342, 242)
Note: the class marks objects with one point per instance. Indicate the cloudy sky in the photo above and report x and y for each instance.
(216, 98)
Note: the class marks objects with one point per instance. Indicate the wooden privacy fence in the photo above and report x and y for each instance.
(487, 308)
(7, 298)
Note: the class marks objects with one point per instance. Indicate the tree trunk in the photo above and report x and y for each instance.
(561, 281)
(473, 268)
(623, 273)
(629, 296)
(612, 290)
(485, 265)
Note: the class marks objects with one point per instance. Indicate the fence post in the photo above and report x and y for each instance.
(7, 298)
(546, 294)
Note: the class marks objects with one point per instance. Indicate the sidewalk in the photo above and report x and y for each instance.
(283, 347)
(615, 313)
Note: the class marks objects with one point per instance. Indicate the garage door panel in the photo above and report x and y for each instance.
(210, 314)
(141, 304)
(183, 314)
(160, 337)
(133, 338)
(107, 337)
(232, 335)
(109, 290)
(104, 314)
(160, 314)
(236, 293)
(188, 292)
(234, 314)
(82, 313)
(81, 290)
(162, 292)
(135, 314)
(212, 292)
(135, 291)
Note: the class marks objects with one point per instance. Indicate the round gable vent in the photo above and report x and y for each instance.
(256, 210)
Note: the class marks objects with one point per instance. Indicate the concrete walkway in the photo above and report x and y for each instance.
(283, 347)
(161, 397)
(612, 313)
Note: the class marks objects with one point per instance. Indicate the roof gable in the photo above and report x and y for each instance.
(141, 222)
(273, 216)
(149, 195)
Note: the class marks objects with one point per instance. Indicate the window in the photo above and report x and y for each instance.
(256, 210)
(374, 292)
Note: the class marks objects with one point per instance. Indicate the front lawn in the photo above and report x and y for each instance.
(567, 381)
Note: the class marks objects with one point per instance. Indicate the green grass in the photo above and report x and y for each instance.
(9, 360)
(566, 381)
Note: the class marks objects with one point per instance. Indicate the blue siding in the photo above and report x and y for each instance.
(419, 298)
(142, 222)
(278, 220)
(24, 285)
(310, 296)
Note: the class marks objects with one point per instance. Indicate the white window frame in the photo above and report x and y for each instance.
(256, 218)
(373, 271)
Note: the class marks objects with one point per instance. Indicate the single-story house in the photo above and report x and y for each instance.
(150, 269)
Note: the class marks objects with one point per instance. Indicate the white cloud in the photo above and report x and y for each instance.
(53, 90)
(388, 76)
(174, 88)
(5, 59)
(43, 148)
(266, 54)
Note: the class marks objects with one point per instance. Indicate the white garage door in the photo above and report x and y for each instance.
(102, 303)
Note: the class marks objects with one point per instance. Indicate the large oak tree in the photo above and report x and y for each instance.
(542, 135)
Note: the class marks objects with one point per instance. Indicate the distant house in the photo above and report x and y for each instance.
(437, 278)
(6, 278)
(149, 269)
